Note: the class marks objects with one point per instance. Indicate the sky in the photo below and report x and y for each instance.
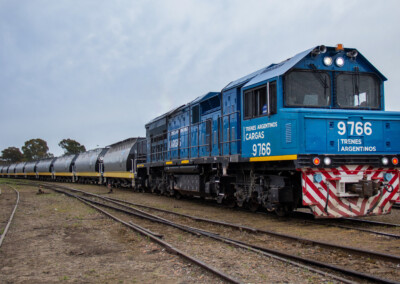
(98, 71)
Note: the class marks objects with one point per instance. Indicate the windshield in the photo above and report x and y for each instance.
(357, 91)
(307, 89)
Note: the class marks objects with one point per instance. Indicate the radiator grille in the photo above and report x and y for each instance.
(288, 133)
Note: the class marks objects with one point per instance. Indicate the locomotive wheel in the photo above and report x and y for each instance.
(283, 211)
(253, 205)
(230, 202)
(280, 211)
(178, 195)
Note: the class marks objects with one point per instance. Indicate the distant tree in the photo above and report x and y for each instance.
(71, 146)
(12, 155)
(35, 149)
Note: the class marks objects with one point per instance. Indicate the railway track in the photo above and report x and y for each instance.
(157, 238)
(338, 223)
(4, 232)
(354, 220)
(123, 206)
(344, 224)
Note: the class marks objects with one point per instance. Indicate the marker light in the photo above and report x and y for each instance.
(328, 61)
(339, 47)
(327, 161)
(395, 161)
(385, 161)
(317, 178)
(316, 161)
(388, 176)
(339, 62)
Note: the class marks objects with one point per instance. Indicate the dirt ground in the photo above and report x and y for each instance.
(55, 238)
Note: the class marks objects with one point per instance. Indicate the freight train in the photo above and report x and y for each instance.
(310, 131)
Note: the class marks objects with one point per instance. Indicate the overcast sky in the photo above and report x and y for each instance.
(97, 71)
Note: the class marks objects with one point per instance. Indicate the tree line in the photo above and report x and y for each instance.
(35, 149)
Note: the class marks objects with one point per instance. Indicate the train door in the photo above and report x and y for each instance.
(261, 134)
(230, 128)
(215, 135)
(205, 137)
(208, 143)
(194, 131)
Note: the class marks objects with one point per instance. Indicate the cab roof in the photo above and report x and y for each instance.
(274, 70)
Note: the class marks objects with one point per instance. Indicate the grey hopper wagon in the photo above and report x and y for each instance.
(120, 161)
(44, 169)
(20, 169)
(30, 169)
(88, 166)
(63, 168)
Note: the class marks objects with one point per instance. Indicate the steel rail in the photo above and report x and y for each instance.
(3, 235)
(157, 239)
(355, 220)
(377, 223)
(367, 253)
(358, 229)
(264, 251)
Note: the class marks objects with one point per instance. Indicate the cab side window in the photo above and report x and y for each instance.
(260, 101)
(272, 98)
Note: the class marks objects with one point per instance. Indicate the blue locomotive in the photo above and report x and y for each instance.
(309, 131)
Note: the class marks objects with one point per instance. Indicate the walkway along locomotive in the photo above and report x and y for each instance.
(309, 131)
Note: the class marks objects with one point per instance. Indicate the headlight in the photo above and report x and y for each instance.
(327, 161)
(385, 161)
(328, 61)
(339, 62)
